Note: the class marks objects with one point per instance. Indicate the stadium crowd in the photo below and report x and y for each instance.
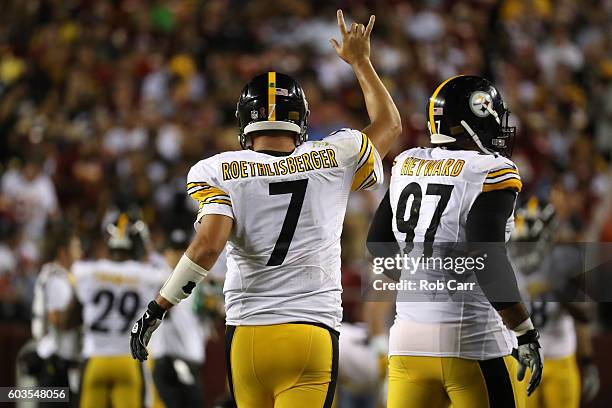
(106, 103)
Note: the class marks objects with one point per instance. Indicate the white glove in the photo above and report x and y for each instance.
(590, 381)
(529, 354)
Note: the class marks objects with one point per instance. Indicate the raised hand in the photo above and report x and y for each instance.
(355, 44)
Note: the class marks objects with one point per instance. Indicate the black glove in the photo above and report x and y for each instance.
(529, 354)
(143, 329)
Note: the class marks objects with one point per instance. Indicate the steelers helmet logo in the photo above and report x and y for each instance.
(481, 104)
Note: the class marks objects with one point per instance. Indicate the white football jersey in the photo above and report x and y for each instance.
(113, 296)
(556, 328)
(53, 291)
(358, 364)
(184, 333)
(554, 323)
(431, 193)
(283, 256)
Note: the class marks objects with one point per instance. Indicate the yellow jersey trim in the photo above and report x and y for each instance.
(365, 175)
(510, 184)
(502, 172)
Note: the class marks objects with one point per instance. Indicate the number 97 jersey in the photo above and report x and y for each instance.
(113, 295)
(431, 193)
(283, 256)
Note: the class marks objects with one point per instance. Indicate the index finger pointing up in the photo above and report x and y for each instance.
(341, 22)
(368, 29)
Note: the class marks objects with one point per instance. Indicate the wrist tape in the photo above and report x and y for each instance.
(186, 275)
(523, 327)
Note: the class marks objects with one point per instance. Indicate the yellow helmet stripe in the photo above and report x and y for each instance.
(122, 223)
(272, 96)
(432, 101)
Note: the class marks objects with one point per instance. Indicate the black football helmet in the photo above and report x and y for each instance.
(272, 101)
(534, 227)
(126, 232)
(465, 109)
(535, 221)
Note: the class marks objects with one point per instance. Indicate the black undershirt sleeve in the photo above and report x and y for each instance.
(486, 225)
(381, 242)
(380, 229)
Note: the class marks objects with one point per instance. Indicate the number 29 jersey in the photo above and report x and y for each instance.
(113, 295)
(283, 256)
(431, 193)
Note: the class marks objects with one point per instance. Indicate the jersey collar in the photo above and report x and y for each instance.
(275, 153)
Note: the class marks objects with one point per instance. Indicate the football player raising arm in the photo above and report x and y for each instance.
(355, 50)
(383, 130)
(279, 205)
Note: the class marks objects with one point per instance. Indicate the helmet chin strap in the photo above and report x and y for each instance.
(476, 139)
(301, 138)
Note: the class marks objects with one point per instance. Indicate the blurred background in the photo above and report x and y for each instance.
(109, 102)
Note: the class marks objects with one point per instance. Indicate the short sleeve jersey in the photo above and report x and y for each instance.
(283, 257)
(431, 193)
(113, 296)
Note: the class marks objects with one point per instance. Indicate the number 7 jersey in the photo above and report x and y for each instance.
(283, 256)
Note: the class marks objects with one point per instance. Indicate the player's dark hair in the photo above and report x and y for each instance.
(58, 237)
